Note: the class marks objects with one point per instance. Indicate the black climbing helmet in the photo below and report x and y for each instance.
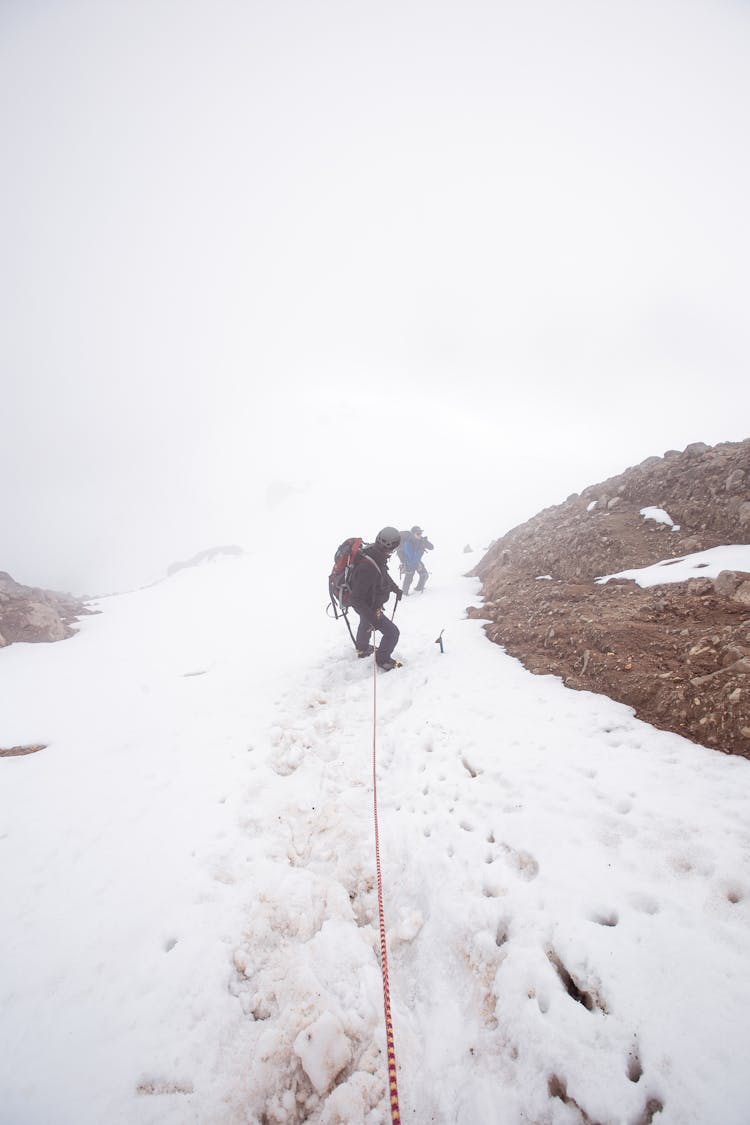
(388, 538)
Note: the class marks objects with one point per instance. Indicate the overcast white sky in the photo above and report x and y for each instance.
(299, 241)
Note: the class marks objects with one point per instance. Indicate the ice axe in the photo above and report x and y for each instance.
(439, 640)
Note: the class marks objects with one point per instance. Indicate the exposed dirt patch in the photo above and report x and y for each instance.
(679, 654)
(19, 751)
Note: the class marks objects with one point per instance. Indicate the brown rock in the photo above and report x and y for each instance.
(742, 594)
(639, 646)
(28, 613)
(35, 621)
(735, 481)
(699, 587)
(726, 582)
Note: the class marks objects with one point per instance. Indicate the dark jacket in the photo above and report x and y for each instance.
(370, 584)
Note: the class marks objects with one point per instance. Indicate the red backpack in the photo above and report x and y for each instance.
(338, 580)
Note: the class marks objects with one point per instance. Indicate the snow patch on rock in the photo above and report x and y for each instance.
(658, 515)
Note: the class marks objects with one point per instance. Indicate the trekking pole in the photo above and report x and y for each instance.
(351, 634)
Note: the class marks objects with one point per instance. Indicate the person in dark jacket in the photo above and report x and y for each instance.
(414, 543)
(370, 587)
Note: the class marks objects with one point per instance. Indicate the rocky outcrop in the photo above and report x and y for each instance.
(678, 653)
(21, 751)
(705, 491)
(204, 557)
(28, 613)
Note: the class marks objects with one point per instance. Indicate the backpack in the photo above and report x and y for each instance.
(346, 555)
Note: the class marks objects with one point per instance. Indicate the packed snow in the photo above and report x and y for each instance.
(190, 928)
(658, 515)
(702, 564)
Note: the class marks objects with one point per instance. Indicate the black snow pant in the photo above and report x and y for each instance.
(409, 572)
(389, 641)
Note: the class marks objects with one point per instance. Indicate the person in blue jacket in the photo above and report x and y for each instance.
(413, 545)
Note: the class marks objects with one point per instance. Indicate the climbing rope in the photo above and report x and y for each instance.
(393, 1085)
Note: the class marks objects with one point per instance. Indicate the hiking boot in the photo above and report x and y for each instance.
(388, 665)
(362, 652)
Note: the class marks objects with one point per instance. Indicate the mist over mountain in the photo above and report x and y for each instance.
(502, 274)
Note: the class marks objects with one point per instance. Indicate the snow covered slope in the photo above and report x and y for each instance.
(189, 927)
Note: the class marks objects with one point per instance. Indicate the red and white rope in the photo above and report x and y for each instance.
(392, 1083)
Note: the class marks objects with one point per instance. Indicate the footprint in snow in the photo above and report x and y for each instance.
(523, 862)
(289, 750)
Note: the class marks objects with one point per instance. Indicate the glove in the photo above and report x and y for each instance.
(399, 596)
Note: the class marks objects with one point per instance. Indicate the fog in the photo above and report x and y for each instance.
(267, 265)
